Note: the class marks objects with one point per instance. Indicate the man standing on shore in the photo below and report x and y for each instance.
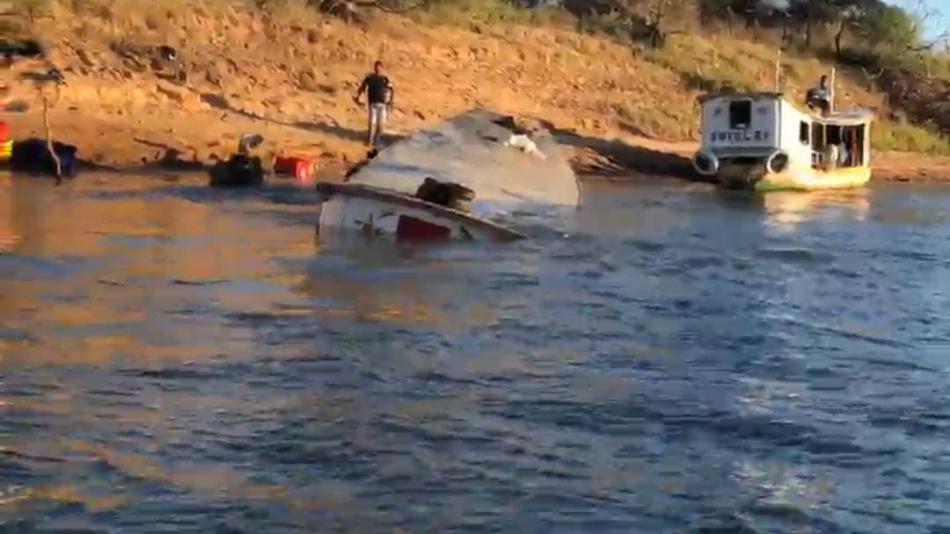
(379, 97)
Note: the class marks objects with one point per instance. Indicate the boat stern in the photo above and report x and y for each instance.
(738, 170)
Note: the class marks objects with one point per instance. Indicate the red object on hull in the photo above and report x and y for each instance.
(417, 229)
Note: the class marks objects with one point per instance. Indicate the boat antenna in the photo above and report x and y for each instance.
(831, 91)
(778, 71)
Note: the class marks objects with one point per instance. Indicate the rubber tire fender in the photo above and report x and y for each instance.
(709, 156)
(777, 162)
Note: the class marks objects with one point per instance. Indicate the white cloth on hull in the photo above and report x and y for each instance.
(526, 145)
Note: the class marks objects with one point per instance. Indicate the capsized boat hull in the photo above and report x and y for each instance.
(376, 212)
(475, 150)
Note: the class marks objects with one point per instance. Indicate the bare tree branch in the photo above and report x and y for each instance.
(922, 14)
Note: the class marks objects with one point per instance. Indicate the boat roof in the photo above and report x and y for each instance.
(846, 117)
(748, 94)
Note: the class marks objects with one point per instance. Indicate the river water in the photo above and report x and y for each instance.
(672, 359)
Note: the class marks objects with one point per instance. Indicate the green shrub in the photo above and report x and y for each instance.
(903, 136)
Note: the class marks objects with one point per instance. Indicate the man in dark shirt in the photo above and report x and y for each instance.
(379, 96)
(820, 97)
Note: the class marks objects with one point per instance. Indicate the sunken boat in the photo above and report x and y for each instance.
(462, 179)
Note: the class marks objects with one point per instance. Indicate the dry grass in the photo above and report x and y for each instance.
(901, 136)
(468, 13)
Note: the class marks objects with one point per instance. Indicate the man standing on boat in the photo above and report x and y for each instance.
(379, 94)
(820, 97)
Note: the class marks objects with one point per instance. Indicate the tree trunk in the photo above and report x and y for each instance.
(657, 39)
(838, 35)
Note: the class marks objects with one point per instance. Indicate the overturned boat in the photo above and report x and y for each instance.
(457, 180)
(762, 142)
(375, 212)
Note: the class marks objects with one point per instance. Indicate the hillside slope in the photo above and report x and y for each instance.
(290, 75)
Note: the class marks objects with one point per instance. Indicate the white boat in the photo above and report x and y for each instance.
(762, 142)
(377, 212)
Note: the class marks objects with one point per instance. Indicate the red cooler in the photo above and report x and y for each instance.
(299, 167)
(6, 144)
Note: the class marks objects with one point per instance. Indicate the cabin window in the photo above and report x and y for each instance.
(859, 155)
(817, 143)
(852, 146)
(833, 135)
(844, 143)
(804, 133)
(740, 114)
